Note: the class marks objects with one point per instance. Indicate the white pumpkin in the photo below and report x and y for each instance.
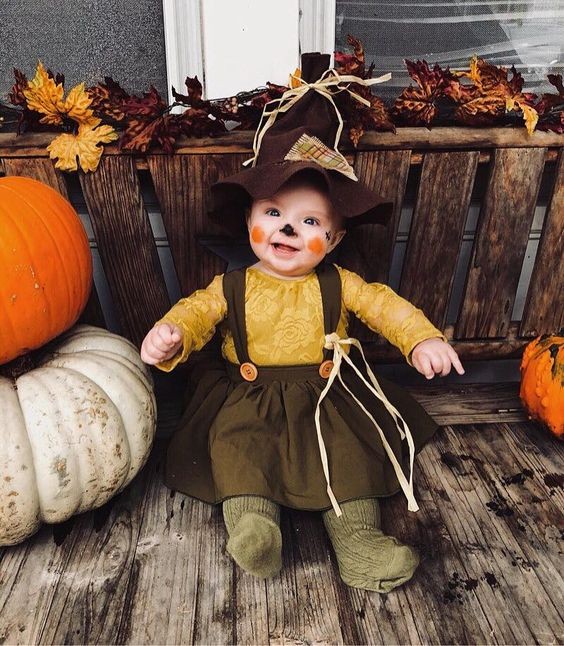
(74, 431)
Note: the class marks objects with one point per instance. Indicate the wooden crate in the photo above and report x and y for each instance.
(447, 161)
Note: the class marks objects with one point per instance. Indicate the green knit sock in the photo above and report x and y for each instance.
(255, 541)
(367, 558)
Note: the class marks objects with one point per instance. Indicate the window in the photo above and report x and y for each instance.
(527, 34)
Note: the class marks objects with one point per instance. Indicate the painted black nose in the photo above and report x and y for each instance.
(288, 230)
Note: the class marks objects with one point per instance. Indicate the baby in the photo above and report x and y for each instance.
(283, 422)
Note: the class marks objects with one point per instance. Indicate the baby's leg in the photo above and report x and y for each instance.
(255, 541)
(367, 558)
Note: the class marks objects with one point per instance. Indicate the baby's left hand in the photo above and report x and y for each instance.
(433, 356)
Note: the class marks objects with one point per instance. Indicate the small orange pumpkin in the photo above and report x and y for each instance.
(542, 381)
(45, 265)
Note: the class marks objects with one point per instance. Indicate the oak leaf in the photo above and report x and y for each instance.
(108, 99)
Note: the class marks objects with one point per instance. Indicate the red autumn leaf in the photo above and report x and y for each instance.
(551, 107)
(108, 99)
(141, 135)
(194, 96)
(420, 105)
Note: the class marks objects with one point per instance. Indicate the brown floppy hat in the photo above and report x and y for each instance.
(298, 138)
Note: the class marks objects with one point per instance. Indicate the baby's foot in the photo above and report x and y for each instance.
(255, 543)
(371, 560)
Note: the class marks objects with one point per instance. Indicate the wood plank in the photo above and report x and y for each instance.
(500, 243)
(29, 573)
(126, 245)
(302, 602)
(527, 576)
(429, 594)
(408, 138)
(43, 170)
(543, 312)
(470, 403)
(182, 185)
(436, 231)
(181, 577)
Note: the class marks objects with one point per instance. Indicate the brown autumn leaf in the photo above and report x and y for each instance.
(492, 94)
(142, 134)
(418, 106)
(551, 107)
(108, 99)
(359, 117)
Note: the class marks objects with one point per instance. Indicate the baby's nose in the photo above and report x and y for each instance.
(288, 230)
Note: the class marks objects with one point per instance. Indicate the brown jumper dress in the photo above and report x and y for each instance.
(259, 438)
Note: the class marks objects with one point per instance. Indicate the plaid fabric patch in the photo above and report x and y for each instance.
(308, 148)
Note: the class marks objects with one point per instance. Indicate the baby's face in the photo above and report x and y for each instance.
(291, 232)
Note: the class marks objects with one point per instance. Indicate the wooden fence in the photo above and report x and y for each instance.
(448, 160)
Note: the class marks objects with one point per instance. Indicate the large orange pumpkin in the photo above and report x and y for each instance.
(542, 381)
(45, 266)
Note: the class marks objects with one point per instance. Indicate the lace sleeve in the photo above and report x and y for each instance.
(197, 317)
(387, 313)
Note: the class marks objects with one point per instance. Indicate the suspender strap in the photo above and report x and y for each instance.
(234, 292)
(330, 286)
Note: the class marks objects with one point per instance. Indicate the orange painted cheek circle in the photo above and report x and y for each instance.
(316, 246)
(257, 234)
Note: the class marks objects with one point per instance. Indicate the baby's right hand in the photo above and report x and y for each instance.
(161, 343)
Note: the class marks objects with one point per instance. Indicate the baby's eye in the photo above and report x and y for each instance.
(274, 212)
(311, 221)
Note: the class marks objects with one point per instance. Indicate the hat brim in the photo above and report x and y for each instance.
(352, 200)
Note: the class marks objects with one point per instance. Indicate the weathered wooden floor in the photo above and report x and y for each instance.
(150, 567)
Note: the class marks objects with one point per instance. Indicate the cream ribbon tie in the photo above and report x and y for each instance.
(335, 343)
(330, 83)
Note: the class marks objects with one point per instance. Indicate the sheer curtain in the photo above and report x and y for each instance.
(527, 34)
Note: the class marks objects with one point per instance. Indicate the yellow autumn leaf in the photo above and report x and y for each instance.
(82, 148)
(530, 115)
(294, 78)
(77, 105)
(45, 96)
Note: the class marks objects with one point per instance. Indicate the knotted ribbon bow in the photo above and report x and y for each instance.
(335, 343)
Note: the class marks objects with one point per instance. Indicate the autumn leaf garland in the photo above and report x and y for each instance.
(81, 146)
(483, 95)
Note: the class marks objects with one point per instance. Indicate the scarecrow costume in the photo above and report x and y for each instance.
(290, 416)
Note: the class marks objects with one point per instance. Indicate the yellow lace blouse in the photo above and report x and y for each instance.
(285, 318)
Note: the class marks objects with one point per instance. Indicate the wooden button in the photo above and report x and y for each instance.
(325, 368)
(248, 371)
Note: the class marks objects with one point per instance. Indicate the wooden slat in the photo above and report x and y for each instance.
(544, 310)
(500, 243)
(126, 245)
(182, 184)
(367, 249)
(436, 231)
(43, 170)
(404, 138)
(40, 169)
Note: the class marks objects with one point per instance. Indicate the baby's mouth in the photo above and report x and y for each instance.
(284, 248)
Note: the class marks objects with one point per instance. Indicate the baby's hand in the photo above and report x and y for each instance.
(433, 356)
(161, 343)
